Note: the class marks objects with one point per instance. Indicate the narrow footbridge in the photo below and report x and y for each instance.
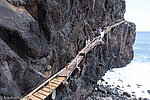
(52, 83)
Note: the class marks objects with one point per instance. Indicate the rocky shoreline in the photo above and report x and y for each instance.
(109, 92)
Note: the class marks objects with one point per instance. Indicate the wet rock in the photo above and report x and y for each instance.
(146, 99)
(118, 86)
(128, 85)
(114, 91)
(120, 80)
(140, 98)
(102, 89)
(133, 92)
(148, 91)
(106, 82)
(142, 91)
(138, 85)
(126, 94)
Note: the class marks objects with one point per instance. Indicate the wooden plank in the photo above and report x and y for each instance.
(44, 92)
(60, 78)
(62, 74)
(34, 98)
(39, 95)
(45, 89)
(55, 85)
(55, 82)
(52, 87)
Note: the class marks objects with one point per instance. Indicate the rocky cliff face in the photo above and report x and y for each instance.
(37, 33)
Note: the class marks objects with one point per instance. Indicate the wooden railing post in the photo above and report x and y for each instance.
(28, 98)
(49, 86)
(67, 71)
(77, 62)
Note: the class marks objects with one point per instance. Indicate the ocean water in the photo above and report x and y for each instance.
(135, 77)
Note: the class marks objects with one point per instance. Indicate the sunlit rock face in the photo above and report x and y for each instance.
(37, 33)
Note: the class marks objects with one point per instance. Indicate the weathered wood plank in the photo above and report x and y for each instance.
(55, 82)
(45, 89)
(55, 85)
(44, 92)
(60, 78)
(34, 98)
(52, 87)
(39, 95)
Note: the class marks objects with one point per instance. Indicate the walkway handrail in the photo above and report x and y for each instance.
(82, 51)
(92, 42)
(43, 84)
(70, 63)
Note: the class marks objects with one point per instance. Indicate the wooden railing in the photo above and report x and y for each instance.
(97, 40)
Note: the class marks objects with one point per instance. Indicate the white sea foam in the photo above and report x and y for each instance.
(135, 75)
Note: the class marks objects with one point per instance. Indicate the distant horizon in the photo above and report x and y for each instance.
(144, 31)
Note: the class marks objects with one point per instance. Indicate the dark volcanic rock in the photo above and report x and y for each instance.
(102, 89)
(37, 33)
(148, 91)
(127, 94)
(109, 94)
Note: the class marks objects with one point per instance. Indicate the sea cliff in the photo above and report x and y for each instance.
(35, 34)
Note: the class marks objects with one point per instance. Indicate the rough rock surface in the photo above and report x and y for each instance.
(109, 93)
(37, 33)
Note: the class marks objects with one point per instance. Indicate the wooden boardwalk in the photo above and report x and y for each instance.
(46, 88)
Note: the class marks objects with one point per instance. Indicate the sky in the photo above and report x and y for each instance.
(138, 11)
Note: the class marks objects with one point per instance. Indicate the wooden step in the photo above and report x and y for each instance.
(39, 95)
(60, 78)
(64, 74)
(55, 82)
(45, 89)
(55, 85)
(52, 87)
(44, 92)
(34, 98)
